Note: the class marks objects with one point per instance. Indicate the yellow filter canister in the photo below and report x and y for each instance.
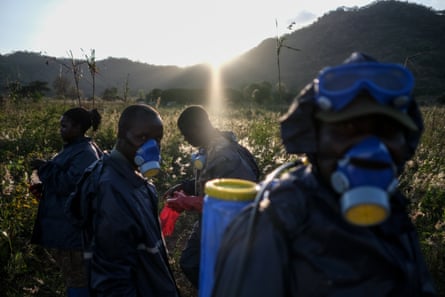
(365, 206)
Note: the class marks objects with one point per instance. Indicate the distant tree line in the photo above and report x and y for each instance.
(261, 93)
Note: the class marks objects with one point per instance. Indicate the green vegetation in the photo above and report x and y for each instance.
(30, 129)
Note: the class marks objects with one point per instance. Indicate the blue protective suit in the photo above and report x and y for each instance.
(301, 246)
(226, 158)
(118, 210)
(59, 175)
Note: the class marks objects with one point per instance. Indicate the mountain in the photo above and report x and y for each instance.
(391, 31)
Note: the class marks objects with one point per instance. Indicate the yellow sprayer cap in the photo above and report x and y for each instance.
(231, 189)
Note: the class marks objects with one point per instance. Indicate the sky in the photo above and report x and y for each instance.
(158, 32)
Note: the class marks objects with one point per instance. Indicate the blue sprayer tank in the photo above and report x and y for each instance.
(224, 199)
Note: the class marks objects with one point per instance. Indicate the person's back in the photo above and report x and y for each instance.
(226, 158)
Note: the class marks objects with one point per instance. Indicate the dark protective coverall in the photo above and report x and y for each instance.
(118, 209)
(52, 227)
(303, 247)
(225, 159)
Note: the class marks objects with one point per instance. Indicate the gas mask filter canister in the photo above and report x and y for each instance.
(365, 178)
(199, 159)
(148, 158)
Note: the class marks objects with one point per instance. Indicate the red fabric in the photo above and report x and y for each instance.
(168, 217)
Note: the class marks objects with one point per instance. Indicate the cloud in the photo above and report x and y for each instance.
(304, 17)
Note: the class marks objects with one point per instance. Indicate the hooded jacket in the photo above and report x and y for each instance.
(303, 247)
(226, 158)
(117, 210)
(52, 227)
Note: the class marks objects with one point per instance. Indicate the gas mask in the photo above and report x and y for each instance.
(199, 159)
(148, 158)
(365, 177)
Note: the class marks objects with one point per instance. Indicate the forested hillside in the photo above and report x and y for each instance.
(393, 31)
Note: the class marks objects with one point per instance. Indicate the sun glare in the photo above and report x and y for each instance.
(216, 96)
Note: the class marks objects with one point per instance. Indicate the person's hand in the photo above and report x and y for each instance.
(168, 194)
(37, 190)
(180, 201)
(37, 163)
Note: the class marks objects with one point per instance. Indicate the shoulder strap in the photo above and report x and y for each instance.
(290, 181)
(99, 151)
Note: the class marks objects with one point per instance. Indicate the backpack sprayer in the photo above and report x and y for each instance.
(262, 191)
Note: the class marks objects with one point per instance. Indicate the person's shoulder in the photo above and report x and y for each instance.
(300, 178)
(286, 202)
(81, 146)
(106, 170)
(118, 177)
(91, 174)
(220, 142)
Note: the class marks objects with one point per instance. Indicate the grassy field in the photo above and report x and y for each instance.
(31, 129)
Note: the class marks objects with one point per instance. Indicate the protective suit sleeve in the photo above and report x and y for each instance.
(63, 176)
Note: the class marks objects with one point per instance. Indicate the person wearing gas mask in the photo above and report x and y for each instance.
(219, 155)
(337, 226)
(116, 206)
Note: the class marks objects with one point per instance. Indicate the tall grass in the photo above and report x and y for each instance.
(31, 130)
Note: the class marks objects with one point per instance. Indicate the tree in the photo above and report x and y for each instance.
(154, 96)
(34, 89)
(77, 73)
(91, 62)
(76, 69)
(61, 86)
(110, 94)
(258, 92)
(281, 44)
(262, 93)
(13, 88)
(126, 89)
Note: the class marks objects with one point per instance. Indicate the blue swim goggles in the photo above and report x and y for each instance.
(389, 84)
